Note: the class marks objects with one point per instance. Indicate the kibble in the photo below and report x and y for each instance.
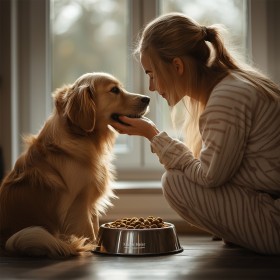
(138, 223)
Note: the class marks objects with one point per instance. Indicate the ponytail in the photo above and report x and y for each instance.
(224, 60)
(222, 57)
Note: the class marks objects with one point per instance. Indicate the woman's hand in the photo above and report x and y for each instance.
(136, 126)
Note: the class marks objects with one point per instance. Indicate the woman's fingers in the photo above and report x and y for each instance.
(136, 126)
(131, 126)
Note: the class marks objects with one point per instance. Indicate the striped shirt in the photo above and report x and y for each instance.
(233, 189)
(240, 130)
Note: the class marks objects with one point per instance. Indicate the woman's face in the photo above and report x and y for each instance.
(175, 79)
(154, 85)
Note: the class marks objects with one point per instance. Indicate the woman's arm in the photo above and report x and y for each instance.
(225, 127)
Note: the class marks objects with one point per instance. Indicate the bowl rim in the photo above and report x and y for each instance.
(170, 225)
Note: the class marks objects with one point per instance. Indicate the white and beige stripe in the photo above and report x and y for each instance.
(233, 189)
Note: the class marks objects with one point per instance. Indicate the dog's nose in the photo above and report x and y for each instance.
(146, 100)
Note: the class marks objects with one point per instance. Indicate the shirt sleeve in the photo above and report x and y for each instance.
(224, 128)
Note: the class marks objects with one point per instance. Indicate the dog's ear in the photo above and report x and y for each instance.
(80, 107)
(59, 97)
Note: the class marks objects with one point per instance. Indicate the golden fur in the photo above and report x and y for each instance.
(51, 200)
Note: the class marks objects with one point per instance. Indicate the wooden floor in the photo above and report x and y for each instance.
(202, 258)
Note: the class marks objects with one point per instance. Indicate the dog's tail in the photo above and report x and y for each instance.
(36, 241)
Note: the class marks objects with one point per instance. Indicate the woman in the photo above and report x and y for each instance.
(225, 177)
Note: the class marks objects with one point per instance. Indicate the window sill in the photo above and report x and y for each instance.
(137, 187)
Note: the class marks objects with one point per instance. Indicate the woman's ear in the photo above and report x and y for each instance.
(178, 64)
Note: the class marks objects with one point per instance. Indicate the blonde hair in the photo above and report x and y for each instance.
(206, 59)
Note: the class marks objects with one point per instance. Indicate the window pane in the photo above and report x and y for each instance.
(230, 13)
(90, 36)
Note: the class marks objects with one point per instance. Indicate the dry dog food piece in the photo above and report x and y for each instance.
(138, 223)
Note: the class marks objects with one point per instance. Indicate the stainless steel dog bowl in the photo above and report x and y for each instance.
(138, 242)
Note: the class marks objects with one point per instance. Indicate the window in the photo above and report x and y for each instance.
(91, 36)
(95, 35)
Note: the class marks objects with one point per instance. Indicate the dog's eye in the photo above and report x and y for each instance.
(115, 90)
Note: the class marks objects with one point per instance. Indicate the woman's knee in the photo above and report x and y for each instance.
(174, 186)
(169, 181)
(175, 190)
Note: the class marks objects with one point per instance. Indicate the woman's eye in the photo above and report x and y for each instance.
(115, 90)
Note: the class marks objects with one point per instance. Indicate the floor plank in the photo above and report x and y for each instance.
(202, 258)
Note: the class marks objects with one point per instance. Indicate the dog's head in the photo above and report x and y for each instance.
(95, 99)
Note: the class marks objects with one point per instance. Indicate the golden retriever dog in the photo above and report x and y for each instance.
(51, 200)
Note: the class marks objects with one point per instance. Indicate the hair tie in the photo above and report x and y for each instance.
(206, 36)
